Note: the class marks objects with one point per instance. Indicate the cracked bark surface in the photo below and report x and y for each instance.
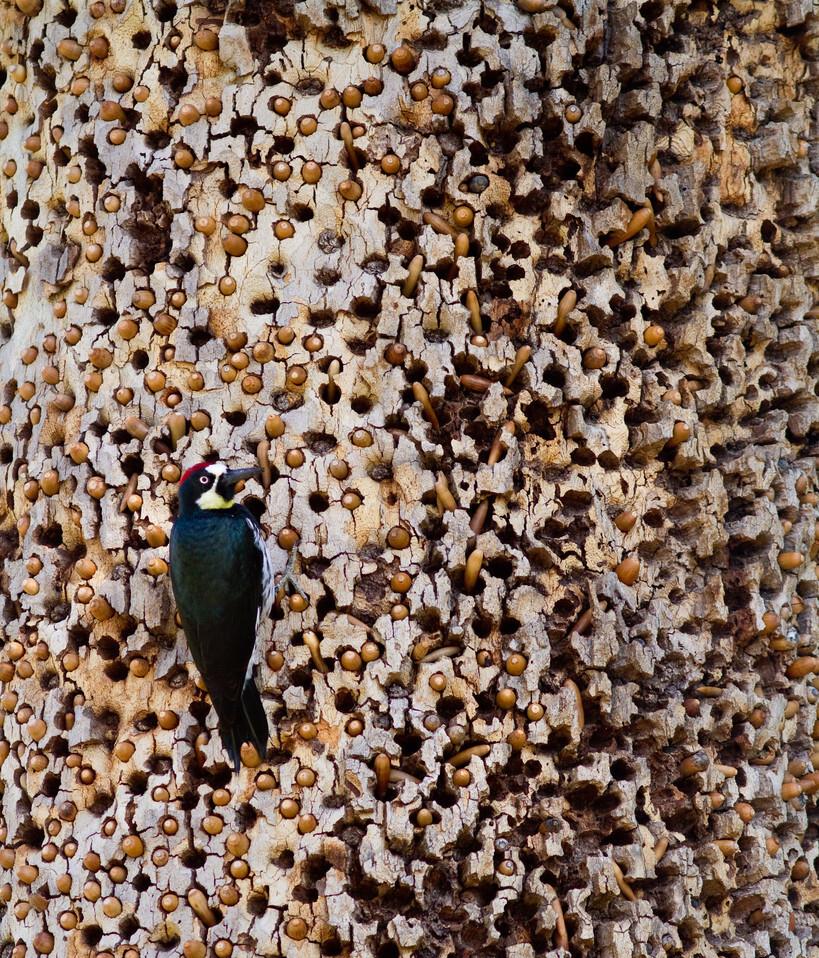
(517, 311)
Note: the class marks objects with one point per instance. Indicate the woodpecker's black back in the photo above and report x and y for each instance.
(221, 585)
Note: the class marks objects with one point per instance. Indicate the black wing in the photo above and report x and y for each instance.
(217, 578)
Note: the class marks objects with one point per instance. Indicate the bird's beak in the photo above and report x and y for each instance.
(231, 479)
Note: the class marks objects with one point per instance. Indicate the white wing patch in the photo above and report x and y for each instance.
(268, 594)
(268, 584)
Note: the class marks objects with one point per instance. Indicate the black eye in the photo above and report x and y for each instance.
(204, 480)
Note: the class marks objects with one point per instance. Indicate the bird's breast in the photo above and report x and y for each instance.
(213, 560)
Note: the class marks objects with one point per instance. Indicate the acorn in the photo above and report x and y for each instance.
(403, 59)
(628, 570)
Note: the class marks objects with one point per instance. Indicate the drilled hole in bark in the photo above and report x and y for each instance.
(91, 935)
(146, 722)
(116, 671)
(265, 307)
(318, 502)
(140, 360)
(200, 336)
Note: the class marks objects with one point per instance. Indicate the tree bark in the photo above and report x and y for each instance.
(514, 304)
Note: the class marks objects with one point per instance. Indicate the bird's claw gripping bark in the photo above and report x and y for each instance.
(288, 578)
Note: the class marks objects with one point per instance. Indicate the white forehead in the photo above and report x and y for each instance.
(217, 469)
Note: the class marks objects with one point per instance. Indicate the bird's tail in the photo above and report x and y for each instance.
(250, 725)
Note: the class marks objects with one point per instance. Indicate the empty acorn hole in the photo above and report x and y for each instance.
(200, 335)
(345, 701)
(137, 782)
(500, 567)
(266, 306)
(581, 456)
(128, 927)
(443, 797)
(257, 902)
(193, 857)
(51, 536)
(285, 860)
(448, 706)
(199, 710)
(409, 742)
(408, 231)
(50, 787)
(318, 502)
(92, 934)
(361, 405)
(140, 359)
(146, 722)
(107, 647)
(482, 626)
(116, 671)
(325, 605)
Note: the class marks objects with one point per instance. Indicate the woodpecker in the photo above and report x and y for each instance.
(223, 583)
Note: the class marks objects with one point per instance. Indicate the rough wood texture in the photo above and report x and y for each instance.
(542, 275)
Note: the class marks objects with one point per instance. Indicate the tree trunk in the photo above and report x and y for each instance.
(514, 305)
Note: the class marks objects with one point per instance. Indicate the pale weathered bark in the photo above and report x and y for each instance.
(542, 275)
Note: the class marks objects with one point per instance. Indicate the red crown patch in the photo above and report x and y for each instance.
(193, 469)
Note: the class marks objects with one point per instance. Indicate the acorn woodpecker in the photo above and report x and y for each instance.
(223, 583)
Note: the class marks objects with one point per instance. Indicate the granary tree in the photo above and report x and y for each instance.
(513, 304)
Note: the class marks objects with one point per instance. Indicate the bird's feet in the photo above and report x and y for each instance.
(288, 578)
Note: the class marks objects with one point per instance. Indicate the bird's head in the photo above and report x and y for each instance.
(210, 485)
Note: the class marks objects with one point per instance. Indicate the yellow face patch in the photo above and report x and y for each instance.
(212, 500)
